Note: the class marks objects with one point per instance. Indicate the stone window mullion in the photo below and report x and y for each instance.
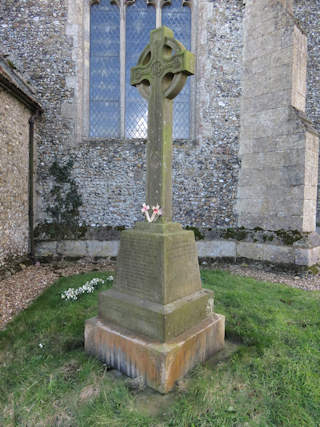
(122, 4)
(123, 8)
(193, 82)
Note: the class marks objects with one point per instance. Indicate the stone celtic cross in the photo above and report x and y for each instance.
(160, 75)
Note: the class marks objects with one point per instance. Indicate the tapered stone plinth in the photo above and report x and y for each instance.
(156, 321)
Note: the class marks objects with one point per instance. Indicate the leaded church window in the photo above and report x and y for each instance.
(119, 31)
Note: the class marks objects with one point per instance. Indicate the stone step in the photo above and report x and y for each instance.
(156, 321)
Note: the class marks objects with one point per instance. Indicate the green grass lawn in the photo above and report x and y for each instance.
(273, 377)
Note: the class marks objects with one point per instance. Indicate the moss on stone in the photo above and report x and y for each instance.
(267, 237)
(289, 237)
(197, 233)
(59, 231)
(235, 233)
(314, 269)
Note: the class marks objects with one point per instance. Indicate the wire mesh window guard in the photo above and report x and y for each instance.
(104, 70)
(140, 20)
(178, 18)
(109, 87)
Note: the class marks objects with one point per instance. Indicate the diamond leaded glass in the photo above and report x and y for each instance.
(178, 18)
(140, 20)
(104, 70)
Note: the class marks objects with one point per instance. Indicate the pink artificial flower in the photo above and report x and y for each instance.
(145, 208)
(156, 210)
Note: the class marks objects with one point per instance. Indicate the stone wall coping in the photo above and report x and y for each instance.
(264, 252)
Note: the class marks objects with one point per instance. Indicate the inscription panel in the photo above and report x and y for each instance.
(160, 268)
(139, 269)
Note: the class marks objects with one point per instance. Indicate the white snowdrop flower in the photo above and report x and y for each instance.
(88, 287)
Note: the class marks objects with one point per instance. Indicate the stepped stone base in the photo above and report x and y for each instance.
(160, 364)
(157, 321)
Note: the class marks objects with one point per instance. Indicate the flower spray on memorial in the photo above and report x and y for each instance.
(156, 212)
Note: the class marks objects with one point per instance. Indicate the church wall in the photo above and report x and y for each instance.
(308, 15)
(14, 169)
(46, 38)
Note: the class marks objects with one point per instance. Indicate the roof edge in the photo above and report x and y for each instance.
(27, 100)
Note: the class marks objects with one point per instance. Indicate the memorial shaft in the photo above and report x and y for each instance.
(159, 155)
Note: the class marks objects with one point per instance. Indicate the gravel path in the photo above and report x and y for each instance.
(20, 289)
(302, 280)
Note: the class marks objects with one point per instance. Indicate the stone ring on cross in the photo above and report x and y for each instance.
(164, 64)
